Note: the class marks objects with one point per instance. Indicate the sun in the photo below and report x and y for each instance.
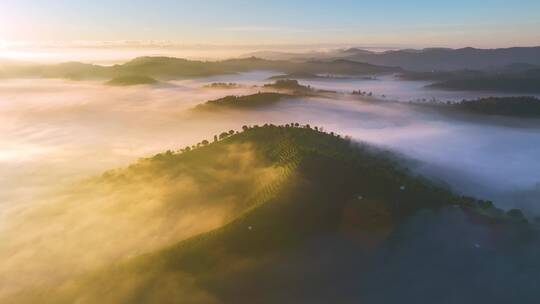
(3, 43)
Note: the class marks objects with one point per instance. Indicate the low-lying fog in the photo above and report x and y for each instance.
(54, 133)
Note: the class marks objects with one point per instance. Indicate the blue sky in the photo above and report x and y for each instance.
(421, 22)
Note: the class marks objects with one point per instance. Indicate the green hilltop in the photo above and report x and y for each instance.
(329, 205)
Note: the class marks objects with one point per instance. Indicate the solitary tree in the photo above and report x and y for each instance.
(205, 142)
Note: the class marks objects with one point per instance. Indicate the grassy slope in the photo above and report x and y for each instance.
(329, 187)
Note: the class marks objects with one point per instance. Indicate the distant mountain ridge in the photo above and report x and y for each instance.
(170, 68)
(428, 59)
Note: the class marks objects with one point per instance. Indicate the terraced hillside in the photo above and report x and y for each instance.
(335, 222)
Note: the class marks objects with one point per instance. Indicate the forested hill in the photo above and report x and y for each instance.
(334, 222)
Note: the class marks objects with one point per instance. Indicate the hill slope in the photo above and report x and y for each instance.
(342, 223)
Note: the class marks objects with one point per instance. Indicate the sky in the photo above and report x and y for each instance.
(422, 23)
